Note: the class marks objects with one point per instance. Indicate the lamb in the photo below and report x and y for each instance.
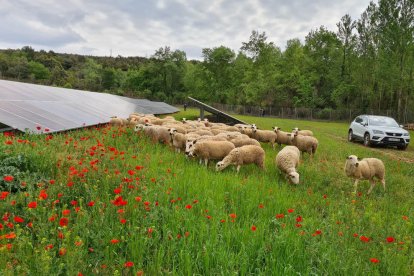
(365, 169)
(242, 141)
(210, 150)
(282, 136)
(287, 160)
(307, 144)
(303, 132)
(264, 135)
(250, 154)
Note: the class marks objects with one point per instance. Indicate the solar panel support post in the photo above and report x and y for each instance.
(201, 113)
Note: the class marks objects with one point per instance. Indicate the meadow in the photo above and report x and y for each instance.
(106, 200)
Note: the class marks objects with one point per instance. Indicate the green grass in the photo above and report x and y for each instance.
(183, 218)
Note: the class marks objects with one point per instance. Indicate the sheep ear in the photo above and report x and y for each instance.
(359, 159)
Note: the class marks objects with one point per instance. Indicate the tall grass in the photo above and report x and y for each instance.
(176, 216)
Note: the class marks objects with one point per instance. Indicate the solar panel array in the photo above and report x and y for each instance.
(27, 107)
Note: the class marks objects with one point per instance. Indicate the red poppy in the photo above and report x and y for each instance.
(8, 178)
(64, 222)
(66, 212)
(390, 239)
(114, 241)
(91, 203)
(18, 219)
(317, 232)
(280, 216)
(32, 204)
(364, 239)
(129, 264)
(291, 210)
(253, 228)
(261, 206)
(188, 206)
(233, 216)
(123, 221)
(3, 195)
(299, 219)
(374, 260)
(62, 251)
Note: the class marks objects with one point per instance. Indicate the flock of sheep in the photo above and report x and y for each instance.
(240, 144)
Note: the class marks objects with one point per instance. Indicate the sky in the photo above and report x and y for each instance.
(140, 27)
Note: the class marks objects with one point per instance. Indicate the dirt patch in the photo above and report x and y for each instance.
(388, 152)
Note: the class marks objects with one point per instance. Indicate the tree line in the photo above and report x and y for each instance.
(366, 64)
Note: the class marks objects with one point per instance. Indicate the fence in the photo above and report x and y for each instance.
(313, 114)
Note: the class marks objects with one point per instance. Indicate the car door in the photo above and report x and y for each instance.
(358, 127)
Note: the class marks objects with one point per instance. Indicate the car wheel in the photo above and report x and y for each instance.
(350, 136)
(367, 140)
(402, 147)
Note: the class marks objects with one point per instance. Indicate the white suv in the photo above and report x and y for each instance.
(378, 130)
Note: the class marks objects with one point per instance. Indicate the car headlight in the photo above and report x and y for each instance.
(406, 134)
(378, 131)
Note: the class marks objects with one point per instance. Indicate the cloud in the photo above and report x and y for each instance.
(138, 28)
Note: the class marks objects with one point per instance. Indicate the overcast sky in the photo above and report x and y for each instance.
(138, 28)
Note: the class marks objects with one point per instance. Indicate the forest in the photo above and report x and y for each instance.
(366, 63)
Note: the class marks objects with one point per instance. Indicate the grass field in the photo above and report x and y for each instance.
(108, 201)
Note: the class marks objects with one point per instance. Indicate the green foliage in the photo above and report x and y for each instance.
(366, 64)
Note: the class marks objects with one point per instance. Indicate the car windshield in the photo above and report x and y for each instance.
(382, 121)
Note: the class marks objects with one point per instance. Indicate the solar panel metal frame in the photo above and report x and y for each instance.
(26, 106)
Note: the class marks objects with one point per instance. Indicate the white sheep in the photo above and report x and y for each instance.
(192, 138)
(303, 132)
(365, 169)
(265, 136)
(287, 160)
(155, 132)
(282, 136)
(250, 154)
(178, 139)
(307, 144)
(115, 121)
(242, 141)
(210, 150)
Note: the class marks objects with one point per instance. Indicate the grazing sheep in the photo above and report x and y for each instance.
(287, 160)
(210, 150)
(307, 144)
(250, 154)
(192, 138)
(247, 131)
(265, 136)
(365, 169)
(303, 132)
(229, 135)
(242, 141)
(156, 133)
(178, 139)
(282, 136)
(115, 121)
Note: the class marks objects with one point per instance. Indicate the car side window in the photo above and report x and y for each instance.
(358, 120)
(364, 120)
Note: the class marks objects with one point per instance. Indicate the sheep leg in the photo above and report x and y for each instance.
(206, 161)
(372, 181)
(238, 168)
(355, 185)
(383, 183)
(200, 161)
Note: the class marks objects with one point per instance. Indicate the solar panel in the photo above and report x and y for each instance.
(26, 106)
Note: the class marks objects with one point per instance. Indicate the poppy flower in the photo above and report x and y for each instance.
(364, 239)
(91, 203)
(233, 216)
(374, 260)
(114, 241)
(18, 219)
(188, 206)
(299, 219)
(291, 210)
(8, 178)
(64, 222)
(253, 228)
(32, 205)
(390, 239)
(280, 216)
(129, 264)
